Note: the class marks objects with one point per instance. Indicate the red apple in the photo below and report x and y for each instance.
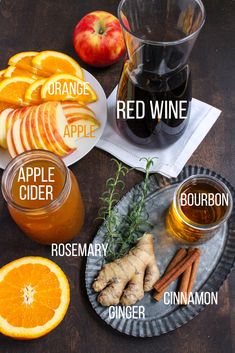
(98, 39)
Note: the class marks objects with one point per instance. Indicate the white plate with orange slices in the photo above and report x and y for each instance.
(47, 101)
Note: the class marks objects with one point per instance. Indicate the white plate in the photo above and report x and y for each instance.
(85, 145)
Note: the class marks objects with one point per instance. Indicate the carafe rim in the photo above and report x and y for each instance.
(164, 43)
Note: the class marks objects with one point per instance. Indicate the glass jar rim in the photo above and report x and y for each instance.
(22, 159)
(198, 226)
(167, 43)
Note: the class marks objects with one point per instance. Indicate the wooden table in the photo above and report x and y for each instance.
(48, 24)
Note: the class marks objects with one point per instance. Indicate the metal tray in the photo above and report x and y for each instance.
(217, 260)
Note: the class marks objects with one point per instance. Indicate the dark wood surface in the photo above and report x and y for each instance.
(48, 24)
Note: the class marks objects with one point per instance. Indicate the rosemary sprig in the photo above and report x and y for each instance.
(137, 219)
(123, 234)
(106, 213)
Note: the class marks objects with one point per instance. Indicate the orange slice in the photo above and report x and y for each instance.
(55, 62)
(34, 297)
(5, 105)
(2, 73)
(12, 90)
(62, 87)
(33, 92)
(24, 61)
(13, 71)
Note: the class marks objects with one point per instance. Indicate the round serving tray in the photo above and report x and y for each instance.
(217, 260)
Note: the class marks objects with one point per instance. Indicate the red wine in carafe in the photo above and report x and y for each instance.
(154, 107)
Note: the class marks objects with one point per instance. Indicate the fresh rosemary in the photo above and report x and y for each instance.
(137, 219)
(122, 234)
(107, 214)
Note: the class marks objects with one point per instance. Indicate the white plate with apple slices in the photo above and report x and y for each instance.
(84, 144)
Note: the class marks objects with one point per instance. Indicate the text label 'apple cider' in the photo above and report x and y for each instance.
(36, 184)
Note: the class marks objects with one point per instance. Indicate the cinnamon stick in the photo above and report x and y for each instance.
(185, 283)
(193, 274)
(181, 253)
(175, 272)
(183, 289)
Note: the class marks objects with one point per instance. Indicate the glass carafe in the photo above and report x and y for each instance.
(155, 90)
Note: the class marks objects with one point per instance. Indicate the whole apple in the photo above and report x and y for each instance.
(98, 39)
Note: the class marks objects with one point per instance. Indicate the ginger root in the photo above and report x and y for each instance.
(126, 279)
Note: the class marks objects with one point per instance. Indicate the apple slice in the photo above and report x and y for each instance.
(56, 123)
(23, 132)
(43, 133)
(73, 108)
(10, 119)
(70, 142)
(16, 137)
(71, 105)
(10, 144)
(38, 132)
(3, 129)
(27, 126)
(86, 127)
(67, 143)
(14, 116)
(32, 128)
(34, 131)
(81, 115)
(75, 112)
(47, 127)
(7, 119)
(89, 119)
(19, 113)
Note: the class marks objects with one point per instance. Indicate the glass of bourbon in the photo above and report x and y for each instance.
(201, 205)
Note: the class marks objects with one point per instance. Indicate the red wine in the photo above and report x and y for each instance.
(167, 92)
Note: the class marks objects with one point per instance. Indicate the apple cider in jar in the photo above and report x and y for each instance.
(43, 197)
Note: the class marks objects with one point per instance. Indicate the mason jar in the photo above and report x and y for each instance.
(43, 197)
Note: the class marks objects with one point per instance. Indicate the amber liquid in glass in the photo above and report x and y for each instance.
(203, 214)
(189, 222)
(52, 219)
(50, 183)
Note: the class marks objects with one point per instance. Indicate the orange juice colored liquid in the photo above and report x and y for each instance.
(48, 205)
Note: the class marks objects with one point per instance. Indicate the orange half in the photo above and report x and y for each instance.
(34, 297)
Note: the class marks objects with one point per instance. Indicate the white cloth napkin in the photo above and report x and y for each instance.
(171, 160)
